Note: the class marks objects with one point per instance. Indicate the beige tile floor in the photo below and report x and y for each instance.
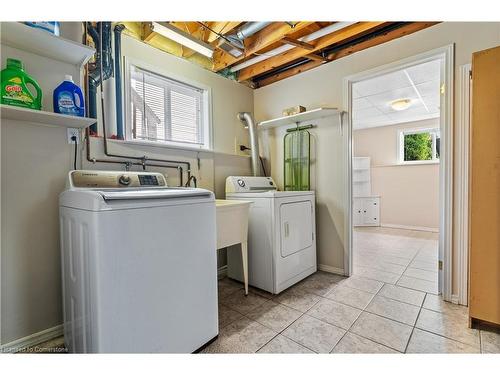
(389, 305)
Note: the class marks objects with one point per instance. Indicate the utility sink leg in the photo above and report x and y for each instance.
(244, 261)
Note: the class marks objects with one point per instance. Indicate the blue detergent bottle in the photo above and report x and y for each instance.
(68, 98)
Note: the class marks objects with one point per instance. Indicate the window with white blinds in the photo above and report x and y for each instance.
(165, 110)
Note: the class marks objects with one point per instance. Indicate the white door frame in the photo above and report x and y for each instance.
(446, 157)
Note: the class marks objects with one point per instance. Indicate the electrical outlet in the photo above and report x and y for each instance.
(237, 147)
(73, 132)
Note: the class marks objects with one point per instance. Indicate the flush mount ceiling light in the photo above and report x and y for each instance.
(400, 104)
(179, 36)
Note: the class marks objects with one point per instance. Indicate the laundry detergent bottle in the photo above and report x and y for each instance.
(68, 98)
(14, 87)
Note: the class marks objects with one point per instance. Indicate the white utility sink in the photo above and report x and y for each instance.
(232, 228)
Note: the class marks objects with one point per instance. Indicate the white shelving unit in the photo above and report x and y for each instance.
(9, 112)
(366, 207)
(313, 114)
(43, 43)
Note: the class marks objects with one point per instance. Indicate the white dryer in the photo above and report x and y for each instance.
(281, 234)
(138, 263)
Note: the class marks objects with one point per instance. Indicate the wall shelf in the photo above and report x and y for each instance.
(9, 112)
(313, 114)
(43, 43)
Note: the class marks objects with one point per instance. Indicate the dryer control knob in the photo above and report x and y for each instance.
(124, 180)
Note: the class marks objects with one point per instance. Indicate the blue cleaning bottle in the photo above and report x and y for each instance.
(68, 98)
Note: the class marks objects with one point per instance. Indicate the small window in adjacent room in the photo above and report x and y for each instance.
(166, 111)
(419, 146)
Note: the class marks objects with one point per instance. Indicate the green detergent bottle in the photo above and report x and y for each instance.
(14, 89)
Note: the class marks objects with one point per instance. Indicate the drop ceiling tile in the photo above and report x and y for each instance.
(432, 101)
(386, 82)
(386, 107)
(360, 103)
(429, 88)
(425, 72)
(387, 97)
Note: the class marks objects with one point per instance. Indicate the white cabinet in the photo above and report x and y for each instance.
(366, 211)
(365, 208)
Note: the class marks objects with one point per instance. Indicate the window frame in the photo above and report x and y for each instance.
(207, 128)
(401, 148)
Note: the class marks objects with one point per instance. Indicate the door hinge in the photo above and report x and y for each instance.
(470, 74)
(440, 265)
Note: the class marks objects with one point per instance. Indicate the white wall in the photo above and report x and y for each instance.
(409, 194)
(324, 86)
(35, 161)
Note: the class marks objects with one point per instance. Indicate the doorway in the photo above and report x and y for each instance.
(400, 101)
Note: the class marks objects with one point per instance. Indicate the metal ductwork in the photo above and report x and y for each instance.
(247, 119)
(233, 43)
(250, 29)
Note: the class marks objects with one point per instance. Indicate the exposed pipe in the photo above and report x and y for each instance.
(331, 50)
(285, 47)
(246, 117)
(102, 41)
(118, 81)
(142, 161)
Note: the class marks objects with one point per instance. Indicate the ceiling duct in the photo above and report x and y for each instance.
(233, 43)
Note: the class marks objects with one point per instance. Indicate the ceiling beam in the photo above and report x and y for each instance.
(220, 28)
(349, 50)
(260, 40)
(296, 53)
(297, 43)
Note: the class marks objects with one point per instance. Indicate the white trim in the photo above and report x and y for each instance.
(446, 172)
(401, 133)
(207, 111)
(32, 340)
(330, 269)
(454, 299)
(410, 227)
(462, 170)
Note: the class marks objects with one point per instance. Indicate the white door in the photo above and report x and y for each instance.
(296, 227)
(371, 211)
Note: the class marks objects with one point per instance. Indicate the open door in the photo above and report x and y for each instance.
(484, 248)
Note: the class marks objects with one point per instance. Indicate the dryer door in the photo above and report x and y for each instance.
(296, 227)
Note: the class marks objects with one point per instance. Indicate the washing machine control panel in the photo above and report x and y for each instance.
(242, 184)
(115, 179)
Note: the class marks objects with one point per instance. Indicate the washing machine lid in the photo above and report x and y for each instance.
(106, 190)
(166, 193)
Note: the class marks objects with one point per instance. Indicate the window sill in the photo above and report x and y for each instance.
(161, 145)
(420, 162)
(406, 164)
(173, 147)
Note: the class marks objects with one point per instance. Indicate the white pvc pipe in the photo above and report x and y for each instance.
(315, 35)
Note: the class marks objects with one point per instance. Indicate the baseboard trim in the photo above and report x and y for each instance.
(455, 299)
(32, 340)
(330, 269)
(410, 227)
(221, 272)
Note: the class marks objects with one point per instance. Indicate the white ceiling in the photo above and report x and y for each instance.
(372, 97)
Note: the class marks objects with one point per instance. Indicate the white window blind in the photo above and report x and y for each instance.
(162, 109)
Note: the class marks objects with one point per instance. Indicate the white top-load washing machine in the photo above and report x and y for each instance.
(138, 263)
(281, 234)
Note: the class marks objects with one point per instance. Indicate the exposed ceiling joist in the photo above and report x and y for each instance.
(297, 43)
(296, 53)
(346, 51)
(260, 40)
